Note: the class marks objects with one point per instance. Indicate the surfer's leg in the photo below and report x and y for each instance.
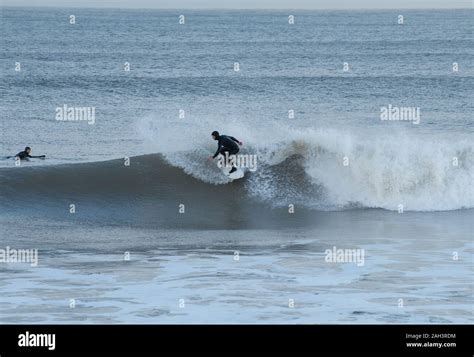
(233, 152)
(226, 153)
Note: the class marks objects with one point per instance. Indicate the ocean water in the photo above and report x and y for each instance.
(401, 191)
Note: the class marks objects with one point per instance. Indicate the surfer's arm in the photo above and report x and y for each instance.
(217, 152)
(236, 140)
(37, 157)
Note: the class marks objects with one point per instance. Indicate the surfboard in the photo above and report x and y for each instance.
(238, 174)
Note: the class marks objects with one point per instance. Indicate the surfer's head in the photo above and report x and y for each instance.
(27, 149)
(215, 135)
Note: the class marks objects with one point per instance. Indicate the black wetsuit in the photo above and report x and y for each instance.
(24, 155)
(225, 144)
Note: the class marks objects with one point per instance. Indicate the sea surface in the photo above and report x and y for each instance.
(134, 225)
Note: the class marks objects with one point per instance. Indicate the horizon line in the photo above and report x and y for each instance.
(232, 9)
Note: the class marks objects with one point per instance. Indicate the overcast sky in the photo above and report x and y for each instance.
(248, 4)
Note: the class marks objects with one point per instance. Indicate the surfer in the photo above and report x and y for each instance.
(26, 154)
(225, 143)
